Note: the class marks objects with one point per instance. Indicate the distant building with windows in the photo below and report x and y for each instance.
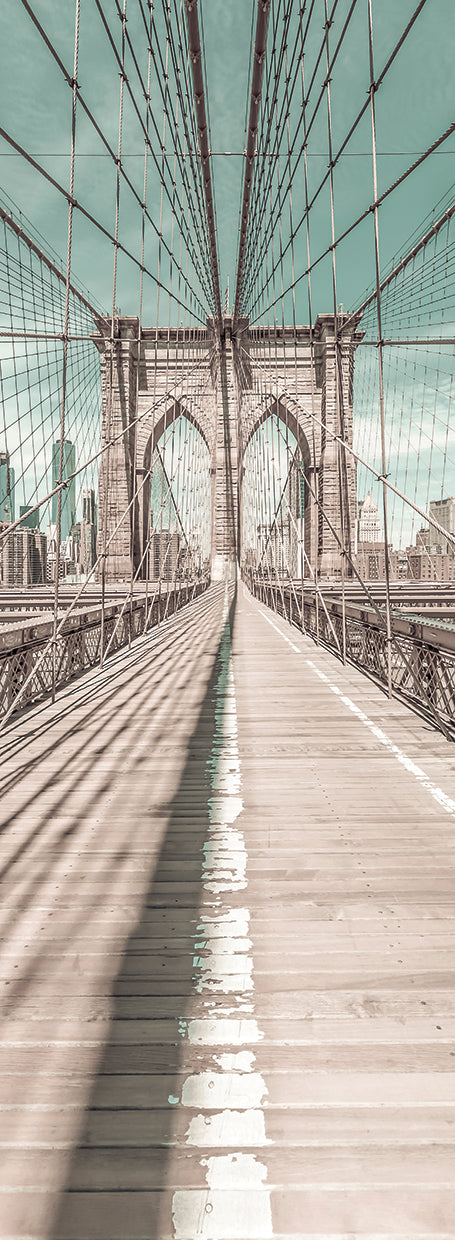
(7, 487)
(369, 528)
(164, 555)
(443, 511)
(371, 550)
(68, 511)
(295, 491)
(29, 518)
(293, 509)
(23, 557)
(371, 562)
(432, 557)
(88, 524)
(190, 563)
(277, 549)
(434, 566)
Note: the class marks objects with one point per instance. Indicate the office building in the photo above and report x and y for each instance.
(88, 530)
(164, 555)
(24, 558)
(370, 562)
(89, 505)
(278, 549)
(295, 491)
(68, 517)
(369, 529)
(7, 485)
(28, 518)
(443, 511)
(436, 566)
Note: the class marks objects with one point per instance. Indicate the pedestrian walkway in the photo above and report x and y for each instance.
(227, 948)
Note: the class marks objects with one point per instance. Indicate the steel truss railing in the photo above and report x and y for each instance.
(79, 643)
(158, 231)
(422, 657)
(388, 431)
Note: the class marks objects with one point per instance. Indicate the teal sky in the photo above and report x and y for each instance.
(413, 107)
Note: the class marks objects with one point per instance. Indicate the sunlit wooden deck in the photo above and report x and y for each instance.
(227, 945)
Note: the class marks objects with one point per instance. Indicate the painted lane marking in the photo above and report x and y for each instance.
(224, 1031)
(231, 1095)
(277, 630)
(221, 1215)
(227, 1089)
(438, 795)
(446, 802)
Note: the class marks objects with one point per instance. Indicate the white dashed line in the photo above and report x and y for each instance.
(231, 1095)
(433, 789)
(283, 635)
(401, 757)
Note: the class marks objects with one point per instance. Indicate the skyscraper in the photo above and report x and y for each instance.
(30, 519)
(296, 489)
(7, 482)
(369, 529)
(69, 492)
(443, 511)
(161, 506)
(89, 506)
(292, 514)
(88, 530)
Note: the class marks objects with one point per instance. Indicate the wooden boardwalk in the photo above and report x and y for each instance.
(227, 966)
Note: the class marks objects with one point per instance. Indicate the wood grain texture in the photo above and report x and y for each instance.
(348, 957)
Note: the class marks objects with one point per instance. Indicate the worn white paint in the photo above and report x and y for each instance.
(222, 1215)
(232, 1096)
(229, 945)
(224, 1089)
(283, 635)
(235, 1061)
(228, 1128)
(235, 1170)
(233, 921)
(223, 985)
(437, 793)
(447, 803)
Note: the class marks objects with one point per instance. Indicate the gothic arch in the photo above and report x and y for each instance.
(301, 434)
(277, 408)
(151, 431)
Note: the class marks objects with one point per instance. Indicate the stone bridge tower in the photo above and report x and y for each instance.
(231, 387)
(306, 379)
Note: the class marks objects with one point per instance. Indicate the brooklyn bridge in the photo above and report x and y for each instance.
(227, 620)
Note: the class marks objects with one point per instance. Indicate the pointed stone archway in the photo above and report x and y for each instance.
(307, 381)
(226, 387)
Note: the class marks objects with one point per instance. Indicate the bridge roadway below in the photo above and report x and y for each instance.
(227, 971)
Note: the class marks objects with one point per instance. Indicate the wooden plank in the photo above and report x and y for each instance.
(247, 1007)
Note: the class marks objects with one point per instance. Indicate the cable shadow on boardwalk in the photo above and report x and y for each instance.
(54, 790)
(123, 1170)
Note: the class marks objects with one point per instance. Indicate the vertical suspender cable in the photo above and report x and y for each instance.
(112, 336)
(203, 135)
(341, 452)
(380, 352)
(315, 508)
(142, 533)
(260, 43)
(65, 346)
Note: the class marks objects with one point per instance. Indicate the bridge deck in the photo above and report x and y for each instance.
(227, 931)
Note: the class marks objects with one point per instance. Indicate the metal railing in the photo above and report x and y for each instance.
(422, 652)
(78, 645)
